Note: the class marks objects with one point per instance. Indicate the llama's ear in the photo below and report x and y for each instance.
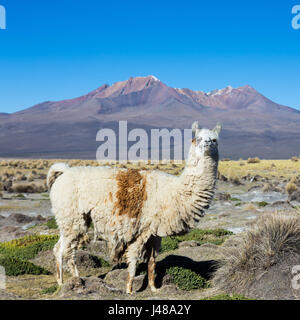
(195, 126)
(218, 128)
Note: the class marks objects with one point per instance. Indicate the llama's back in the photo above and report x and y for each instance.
(80, 189)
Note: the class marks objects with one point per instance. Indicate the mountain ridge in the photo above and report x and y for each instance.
(146, 102)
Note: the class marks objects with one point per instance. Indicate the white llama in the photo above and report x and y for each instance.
(132, 209)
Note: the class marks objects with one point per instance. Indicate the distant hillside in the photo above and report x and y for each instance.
(253, 125)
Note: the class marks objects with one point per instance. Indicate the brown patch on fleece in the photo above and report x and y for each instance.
(194, 141)
(53, 179)
(110, 197)
(131, 193)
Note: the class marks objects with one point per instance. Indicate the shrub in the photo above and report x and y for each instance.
(169, 244)
(50, 290)
(253, 160)
(15, 267)
(51, 223)
(295, 159)
(235, 199)
(262, 203)
(31, 187)
(28, 247)
(273, 238)
(290, 187)
(202, 236)
(186, 279)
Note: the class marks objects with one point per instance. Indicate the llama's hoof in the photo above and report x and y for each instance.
(153, 289)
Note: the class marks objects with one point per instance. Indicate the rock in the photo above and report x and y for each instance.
(7, 185)
(9, 233)
(279, 205)
(295, 196)
(87, 286)
(118, 278)
(1, 217)
(275, 283)
(99, 248)
(40, 218)
(46, 260)
(169, 289)
(223, 196)
(20, 218)
(191, 243)
(84, 260)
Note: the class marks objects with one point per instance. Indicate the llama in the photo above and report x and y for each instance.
(132, 209)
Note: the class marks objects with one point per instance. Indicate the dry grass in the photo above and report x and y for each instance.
(290, 187)
(253, 160)
(31, 187)
(33, 170)
(274, 169)
(294, 159)
(272, 238)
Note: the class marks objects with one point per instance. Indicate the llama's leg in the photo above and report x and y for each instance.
(151, 271)
(58, 253)
(70, 251)
(131, 275)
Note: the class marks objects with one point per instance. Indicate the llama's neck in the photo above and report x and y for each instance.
(193, 194)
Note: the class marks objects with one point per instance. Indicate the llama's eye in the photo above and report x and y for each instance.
(214, 140)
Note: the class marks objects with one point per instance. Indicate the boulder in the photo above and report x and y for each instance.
(118, 278)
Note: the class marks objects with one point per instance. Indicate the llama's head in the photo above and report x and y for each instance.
(206, 141)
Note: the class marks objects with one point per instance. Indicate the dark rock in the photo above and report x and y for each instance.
(40, 218)
(86, 260)
(223, 196)
(7, 185)
(20, 218)
(295, 196)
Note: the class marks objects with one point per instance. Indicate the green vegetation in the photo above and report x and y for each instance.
(237, 204)
(262, 203)
(186, 279)
(217, 236)
(102, 262)
(20, 196)
(235, 199)
(50, 290)
(51, 223)
(224, 296)
(14, 255)
(28, 247)
(45, 195)
(15, 267)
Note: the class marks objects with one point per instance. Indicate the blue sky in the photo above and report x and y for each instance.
(54, 50)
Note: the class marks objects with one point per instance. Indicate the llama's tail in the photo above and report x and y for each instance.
(54, 172)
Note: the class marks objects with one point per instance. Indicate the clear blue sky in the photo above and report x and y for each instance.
(61, 49)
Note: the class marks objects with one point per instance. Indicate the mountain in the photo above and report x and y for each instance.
(253, 125)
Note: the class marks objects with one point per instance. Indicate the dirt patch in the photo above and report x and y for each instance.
(131, 193)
